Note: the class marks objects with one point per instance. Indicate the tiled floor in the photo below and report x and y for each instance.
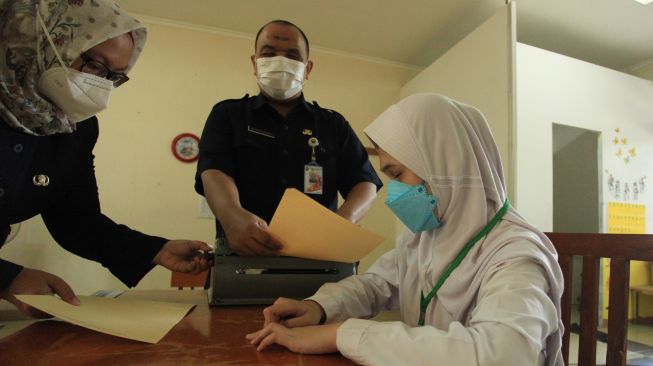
(640, 346)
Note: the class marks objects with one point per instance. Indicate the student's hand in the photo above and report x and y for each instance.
(183, 256)
(308, 340)
(248, 235)
(293, 313)
(34, 282)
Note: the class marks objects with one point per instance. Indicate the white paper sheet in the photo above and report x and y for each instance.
(141, 320)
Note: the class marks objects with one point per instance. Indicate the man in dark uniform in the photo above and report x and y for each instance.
(253, 148)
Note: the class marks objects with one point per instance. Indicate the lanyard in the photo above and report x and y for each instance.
(424, 301)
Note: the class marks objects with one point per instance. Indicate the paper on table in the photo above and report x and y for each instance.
(142, 320)
(309, 230)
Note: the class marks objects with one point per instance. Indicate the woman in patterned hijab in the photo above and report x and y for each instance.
(74, 26)
(59, 61)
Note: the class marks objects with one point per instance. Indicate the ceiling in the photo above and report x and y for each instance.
(617, 34)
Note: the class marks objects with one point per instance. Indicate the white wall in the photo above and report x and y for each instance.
(552, 88)
(478, 71)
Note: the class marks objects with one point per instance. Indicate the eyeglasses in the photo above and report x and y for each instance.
(97, 68)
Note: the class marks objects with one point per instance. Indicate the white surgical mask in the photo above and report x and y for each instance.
(280, 77)
(78, 94)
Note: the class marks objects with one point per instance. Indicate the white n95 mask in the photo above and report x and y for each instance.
(280, 77)
(78, 94)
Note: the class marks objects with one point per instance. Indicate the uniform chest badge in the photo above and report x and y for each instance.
(41, 180)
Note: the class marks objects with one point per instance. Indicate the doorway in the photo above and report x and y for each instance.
(576, 187)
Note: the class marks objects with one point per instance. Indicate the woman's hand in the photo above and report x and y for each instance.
(293, 313)
(34, 282)
(307, 340)
(183, 256)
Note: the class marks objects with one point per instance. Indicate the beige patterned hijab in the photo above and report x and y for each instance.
(75, 26)
(449, 145)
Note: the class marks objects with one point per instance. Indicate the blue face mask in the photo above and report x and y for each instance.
(413, 206)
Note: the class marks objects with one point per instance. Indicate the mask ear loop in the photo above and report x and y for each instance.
(40, 21)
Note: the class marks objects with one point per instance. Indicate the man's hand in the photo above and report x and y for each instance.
(34, 282)
(183, 256)
(248, 235)
(293, 313)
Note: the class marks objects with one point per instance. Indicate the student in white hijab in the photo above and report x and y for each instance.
(499, 300)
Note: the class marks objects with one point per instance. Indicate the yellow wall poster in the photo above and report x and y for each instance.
(628, 218)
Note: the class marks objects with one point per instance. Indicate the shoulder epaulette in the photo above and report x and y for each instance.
(325, 109)
(231, 100)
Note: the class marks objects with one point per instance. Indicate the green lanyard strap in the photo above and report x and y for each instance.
(424, 302)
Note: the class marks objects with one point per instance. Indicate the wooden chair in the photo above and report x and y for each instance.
(181, 280)
(621, 249)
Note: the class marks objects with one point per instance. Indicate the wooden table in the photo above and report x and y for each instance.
(206, 336)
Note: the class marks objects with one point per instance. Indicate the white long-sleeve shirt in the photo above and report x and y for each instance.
(508, 324)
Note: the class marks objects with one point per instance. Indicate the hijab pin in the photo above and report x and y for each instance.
(41, 180)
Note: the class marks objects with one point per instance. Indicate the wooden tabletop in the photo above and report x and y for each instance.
(206, 336)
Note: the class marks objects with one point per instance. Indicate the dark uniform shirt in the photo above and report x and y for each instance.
(265, 153)
(69, 204)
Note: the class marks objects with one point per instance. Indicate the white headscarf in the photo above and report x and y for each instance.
(449, 145)
(75, 26)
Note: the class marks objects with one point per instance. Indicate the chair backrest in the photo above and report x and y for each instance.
(621, 249)
(181, 280)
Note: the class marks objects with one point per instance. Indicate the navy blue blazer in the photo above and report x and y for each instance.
(69, 204)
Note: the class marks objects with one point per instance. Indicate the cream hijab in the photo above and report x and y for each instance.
(449, 145)
(75, 26)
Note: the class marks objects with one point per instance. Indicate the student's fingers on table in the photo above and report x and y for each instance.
(303, 320)
(275, 336)
(255, 338)
(290, 313)
(266, 336)
(311, 314)
(282, 308)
